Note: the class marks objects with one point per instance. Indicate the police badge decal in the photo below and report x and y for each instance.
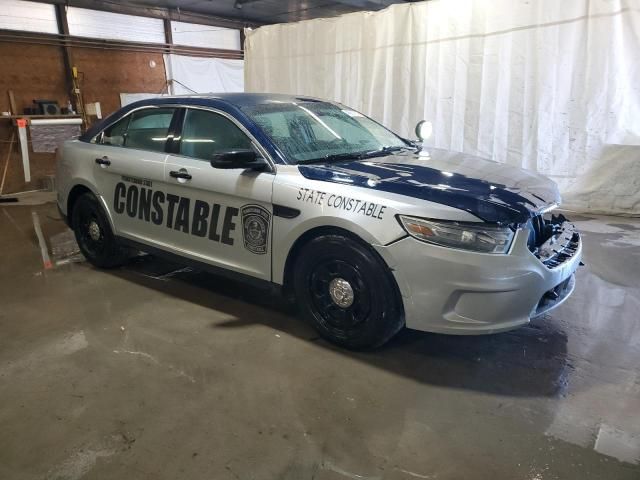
(255, 228)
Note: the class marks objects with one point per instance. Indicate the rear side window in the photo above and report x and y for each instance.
(148, 129)
(205, 134)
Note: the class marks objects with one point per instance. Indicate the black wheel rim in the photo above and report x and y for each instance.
(325, 309)
(90, 243)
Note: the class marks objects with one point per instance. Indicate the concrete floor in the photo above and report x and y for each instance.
(150, 372)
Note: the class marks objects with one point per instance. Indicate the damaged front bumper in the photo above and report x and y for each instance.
(462, 292)
(562, 245)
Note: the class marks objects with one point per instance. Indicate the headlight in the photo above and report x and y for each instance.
(478, 237)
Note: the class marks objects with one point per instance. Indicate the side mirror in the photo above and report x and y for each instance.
(242, 159)
(424, 130)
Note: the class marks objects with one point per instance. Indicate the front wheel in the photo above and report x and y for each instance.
(93, 233)
(347, 292)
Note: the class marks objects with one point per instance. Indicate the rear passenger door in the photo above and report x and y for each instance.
(222, 217)
(129, 165)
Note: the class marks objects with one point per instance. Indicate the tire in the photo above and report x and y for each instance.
(94, 235)
(361, 314)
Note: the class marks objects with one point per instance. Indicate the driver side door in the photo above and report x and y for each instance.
(218, 216)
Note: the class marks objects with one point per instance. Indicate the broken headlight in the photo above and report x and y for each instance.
(479, 237)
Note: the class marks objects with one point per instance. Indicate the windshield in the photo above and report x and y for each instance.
(310, 131)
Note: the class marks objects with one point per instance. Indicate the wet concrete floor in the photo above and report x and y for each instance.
(156, 372)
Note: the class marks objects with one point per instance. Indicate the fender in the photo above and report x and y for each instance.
(77, 181)
(285, 243)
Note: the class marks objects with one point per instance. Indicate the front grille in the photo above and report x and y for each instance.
(555, 296)
(553, 240)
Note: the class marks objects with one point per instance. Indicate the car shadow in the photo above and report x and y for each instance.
(529, 361)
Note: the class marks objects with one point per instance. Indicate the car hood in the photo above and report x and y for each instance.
(492, 191)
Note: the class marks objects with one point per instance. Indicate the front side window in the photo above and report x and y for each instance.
(148, 129)
(205, 134)
(309, 130)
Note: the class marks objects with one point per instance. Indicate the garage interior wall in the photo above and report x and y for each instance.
(546, 85)
(36, 71)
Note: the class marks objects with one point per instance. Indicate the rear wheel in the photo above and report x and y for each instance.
(347, 292)
(94, 235)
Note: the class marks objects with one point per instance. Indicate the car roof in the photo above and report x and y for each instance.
(231, 102)
(235, 99)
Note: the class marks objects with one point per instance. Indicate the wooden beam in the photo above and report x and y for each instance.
(157, 12)
(105, 44)
(63, 28)
(12, 103)
(168, 34)
(6, 163)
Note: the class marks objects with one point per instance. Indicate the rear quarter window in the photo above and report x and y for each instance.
(144, 130)
(114, 135)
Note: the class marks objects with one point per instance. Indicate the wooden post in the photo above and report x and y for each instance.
(168, 35)
(12, 103)
(168, 38)
(6, 165)
(63, 28)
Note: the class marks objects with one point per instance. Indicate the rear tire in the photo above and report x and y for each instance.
(94, 235)
(347, 292)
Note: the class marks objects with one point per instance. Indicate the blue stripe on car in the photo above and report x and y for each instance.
(490, 201)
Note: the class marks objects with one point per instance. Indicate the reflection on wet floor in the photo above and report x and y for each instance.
(572, 376)
(600, 409)
(64, 248)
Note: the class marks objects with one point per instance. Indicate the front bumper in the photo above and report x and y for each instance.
(460, 292)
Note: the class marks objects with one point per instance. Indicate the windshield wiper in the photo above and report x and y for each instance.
(332, 157)
(385, 151)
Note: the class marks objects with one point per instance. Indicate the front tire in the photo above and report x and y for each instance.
(94, 235)
(347, 292)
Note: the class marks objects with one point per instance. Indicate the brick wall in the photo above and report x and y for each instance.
(37, 71)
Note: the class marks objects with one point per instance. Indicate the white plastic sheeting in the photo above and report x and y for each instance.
(127, 98)
(551, 86)
(116, 26)
(189, 75)
(205, 36)
(28, 16)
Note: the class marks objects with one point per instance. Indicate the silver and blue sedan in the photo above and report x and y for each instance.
(368, 231)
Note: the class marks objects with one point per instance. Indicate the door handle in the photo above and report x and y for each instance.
(103, 161)
(180, 174)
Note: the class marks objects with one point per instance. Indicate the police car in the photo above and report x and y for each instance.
(368, 231)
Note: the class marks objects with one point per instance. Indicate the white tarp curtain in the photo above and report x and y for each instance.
(188, 75)
(127, 98)
(551, 86)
